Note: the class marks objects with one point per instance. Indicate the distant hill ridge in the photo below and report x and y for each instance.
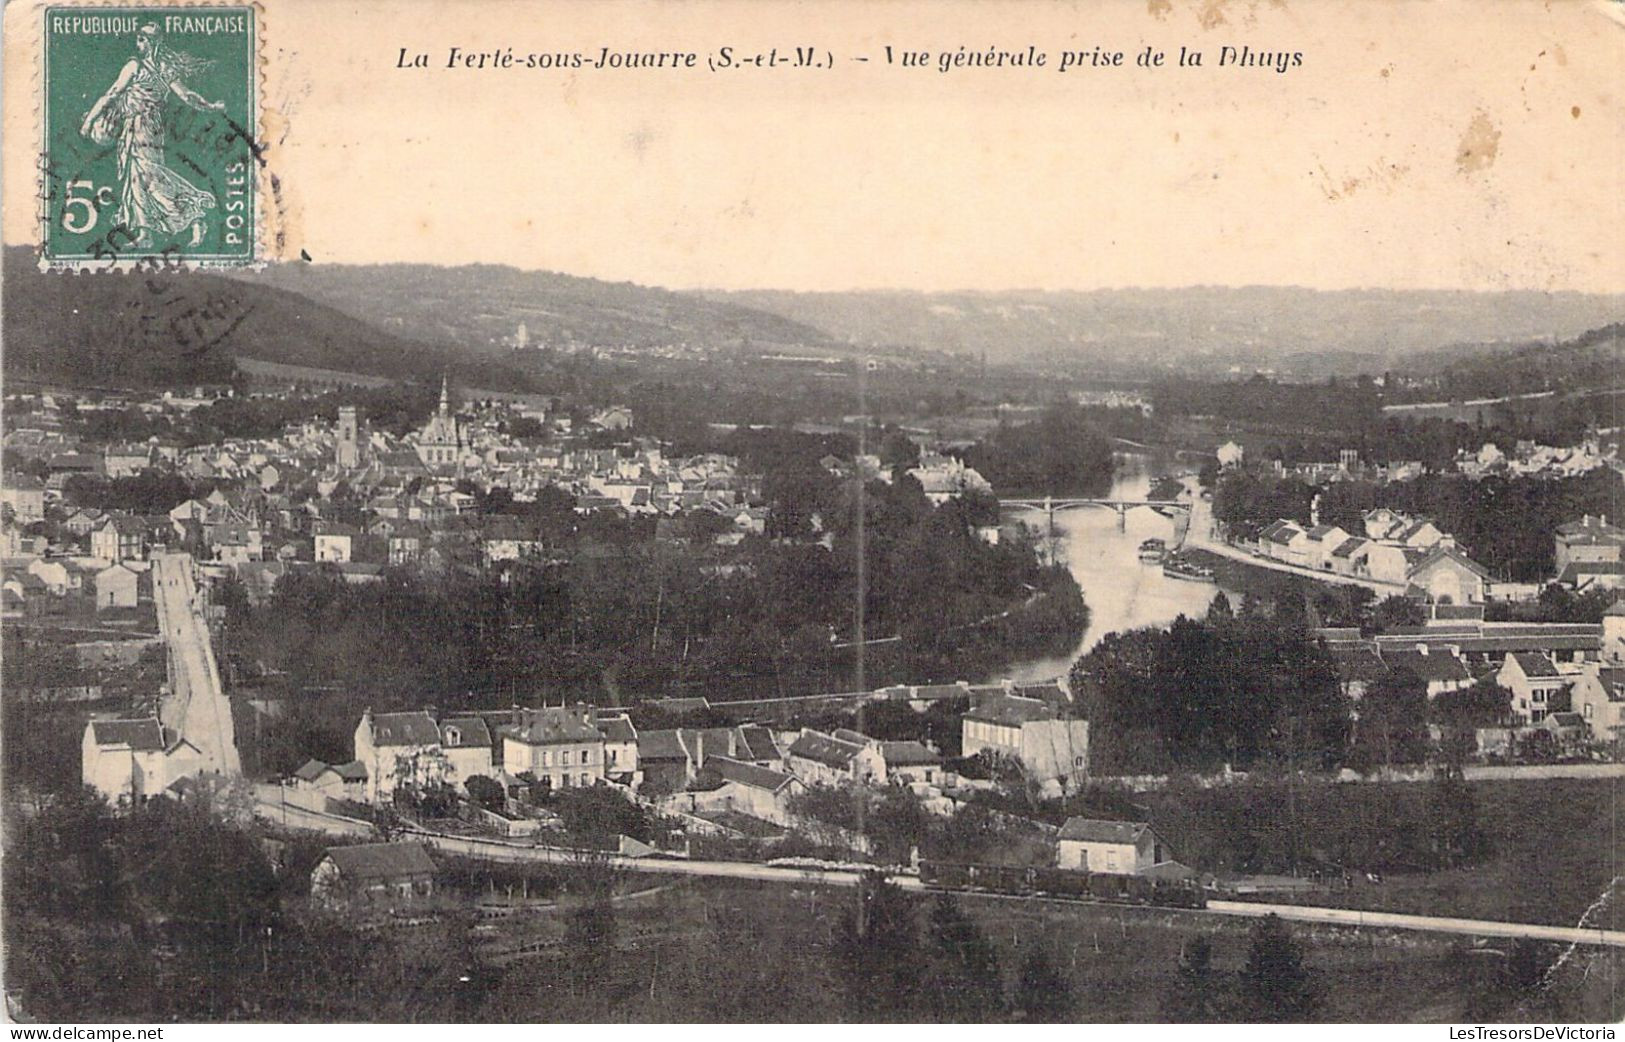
(125, 329)
(413, 320)
(1592, 361)
(1204, 330)
(483, 305)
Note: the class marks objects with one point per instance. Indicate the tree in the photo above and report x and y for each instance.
(968, 973)
(1538, 747)
(1394, 611)
(589, 937)
(1275, 986)
(898, 450)
(1205, 693)
(487, 792)
(1453, 816)
(1043, 995)
(1393, 721)
(1197, 996)
(877, 950)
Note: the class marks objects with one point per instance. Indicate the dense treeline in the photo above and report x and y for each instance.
(1243, 690)
(1587, 362)
(619, 624)
(172, 913)
(1061, 453)
(1246, 503)
(1336, 405)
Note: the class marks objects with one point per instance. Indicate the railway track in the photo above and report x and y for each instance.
(1352, 918)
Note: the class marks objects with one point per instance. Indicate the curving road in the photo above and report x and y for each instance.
(505, 850)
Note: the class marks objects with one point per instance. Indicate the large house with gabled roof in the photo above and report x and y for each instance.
(130, 760)
(559, 746)
(399, 748)
(1598, 696)
(745, 788)
(1448, 576)
(466, 741)
(1048, 740)
(821, 759)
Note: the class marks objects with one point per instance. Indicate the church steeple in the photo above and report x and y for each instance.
(445, 394)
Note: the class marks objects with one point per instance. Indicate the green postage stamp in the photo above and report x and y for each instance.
(150, 149)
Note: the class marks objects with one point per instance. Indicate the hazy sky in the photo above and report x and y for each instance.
(1441, 144)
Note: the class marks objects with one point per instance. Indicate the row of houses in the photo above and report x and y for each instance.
(1410, 554)
(30, 585)
(749, 768)
(1548, 668)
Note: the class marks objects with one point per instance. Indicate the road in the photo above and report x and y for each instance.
(195, 705)
(504, 850)
(1199, 536)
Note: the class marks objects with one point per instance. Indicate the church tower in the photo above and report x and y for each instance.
(440, 444)
(349, 440)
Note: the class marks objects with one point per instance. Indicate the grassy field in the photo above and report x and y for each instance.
(1555, 847)
(725, 951)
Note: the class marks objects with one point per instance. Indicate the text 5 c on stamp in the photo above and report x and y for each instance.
(149, 144)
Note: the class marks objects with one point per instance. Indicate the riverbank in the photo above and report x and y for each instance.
(1256, 580)
(1123, 592)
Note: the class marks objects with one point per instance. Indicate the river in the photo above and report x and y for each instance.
(1122, 592)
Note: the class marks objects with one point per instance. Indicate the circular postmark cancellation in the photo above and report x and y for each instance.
(149, 158)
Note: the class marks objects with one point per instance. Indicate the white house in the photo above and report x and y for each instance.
(1323, 541)
(129, 760)
(558, 746)
(1114, 847)
(1598, 696)
(119, 537)
(821, 759)
(1419, 535)
(1381, 522)
(1449, 576)
(1537, 686)
(466, 741)
(1284, 541)
(335, 542)
(620, 747)
(1050, 744)
(116, 587)
(1231, 454)
(1381, 561)
(25, 495)
(760, 792)
(910, 762)
(397, 748)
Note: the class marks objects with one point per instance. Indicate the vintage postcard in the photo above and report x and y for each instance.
(789, 513)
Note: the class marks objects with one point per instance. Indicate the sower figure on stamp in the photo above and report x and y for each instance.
(153, 198)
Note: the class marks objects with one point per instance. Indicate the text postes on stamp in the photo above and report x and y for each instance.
(149, 149)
